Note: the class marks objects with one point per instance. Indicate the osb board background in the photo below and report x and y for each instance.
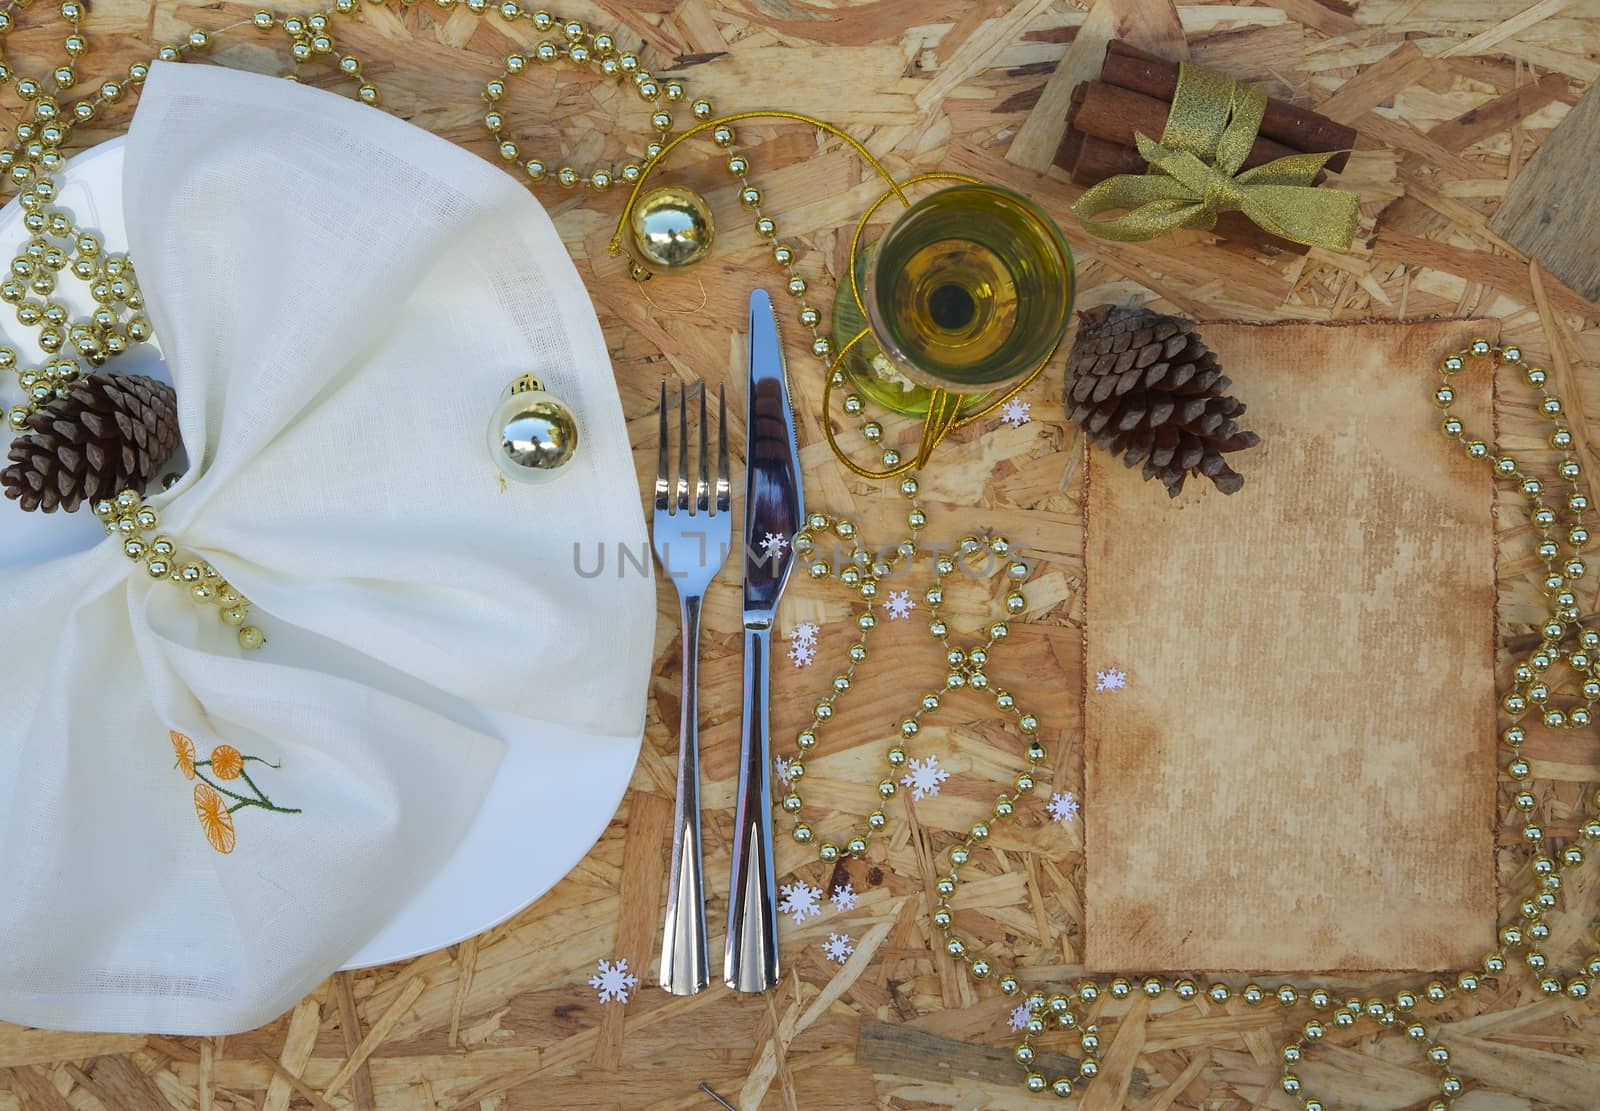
(1452, 96)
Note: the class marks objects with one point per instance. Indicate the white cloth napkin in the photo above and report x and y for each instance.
(341, 298)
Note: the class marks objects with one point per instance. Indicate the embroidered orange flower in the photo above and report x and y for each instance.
(215, 804)
(212, 810)
(184, 747)
(226, 762)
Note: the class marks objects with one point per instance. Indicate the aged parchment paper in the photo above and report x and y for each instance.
(1300, 773)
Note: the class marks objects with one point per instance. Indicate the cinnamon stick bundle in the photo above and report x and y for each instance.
(1115, 114)
(1301, 129)
(1134, 94)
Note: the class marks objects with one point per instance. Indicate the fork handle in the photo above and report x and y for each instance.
(684, 964)
(751, 961)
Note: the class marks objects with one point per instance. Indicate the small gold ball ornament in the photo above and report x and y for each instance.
(672, 227)
(533, 434)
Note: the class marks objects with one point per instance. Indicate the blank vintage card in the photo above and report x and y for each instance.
(1300, 772)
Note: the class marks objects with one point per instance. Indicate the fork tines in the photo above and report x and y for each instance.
(672, 494)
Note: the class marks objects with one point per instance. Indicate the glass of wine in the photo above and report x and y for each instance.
(969, 291)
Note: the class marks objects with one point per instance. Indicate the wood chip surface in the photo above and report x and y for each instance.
(1452, 98)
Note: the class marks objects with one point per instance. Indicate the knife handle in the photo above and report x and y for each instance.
(751, 961)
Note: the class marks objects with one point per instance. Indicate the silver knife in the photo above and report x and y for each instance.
(774, 505)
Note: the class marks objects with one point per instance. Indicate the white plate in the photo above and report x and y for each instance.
(548, 804)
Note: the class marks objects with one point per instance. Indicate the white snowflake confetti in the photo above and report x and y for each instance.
(1112, 680)
(1020, 1017)
(844, 897)
(899, 605)
(804, 633)
(782, 766)
(924, 777)
(803, 655)
(1015, 412)
(1063, 807)
(613, 981)
(838, 947)
(774, 543)
(800, 899)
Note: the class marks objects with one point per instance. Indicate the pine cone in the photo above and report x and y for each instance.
(1145, 387)
(111, 433)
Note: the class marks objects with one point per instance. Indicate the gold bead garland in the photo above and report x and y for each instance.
(1060, 1010)
(56, 246)
(574, 43)
(311, 37)
(965, 668)
(945, 412)
(582, 48)
(36, 155)
(136, 522)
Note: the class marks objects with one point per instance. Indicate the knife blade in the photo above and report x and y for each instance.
(775, 502)
(774, 506)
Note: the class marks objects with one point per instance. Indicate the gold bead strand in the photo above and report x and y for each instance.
(818, 568)
(38, 145)
(806, 739)
(35, 270)
(966, 669)
(1384, 1014)
(585, 49)
(7, 24)
(57, 246)
(22, 162)
(1530, 688)
(311, 37)
(783, 254)
(131, 518)
(1387, 1016)
(863, 575)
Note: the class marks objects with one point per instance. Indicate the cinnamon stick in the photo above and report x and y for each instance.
(1098, 159)
(1236, 228)
(1071, 142)
(1098, 144)
(1300, 129)
(1106, 157)
(1067, 152)
(1115, 114)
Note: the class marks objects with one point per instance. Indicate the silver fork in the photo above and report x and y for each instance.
(691, 545)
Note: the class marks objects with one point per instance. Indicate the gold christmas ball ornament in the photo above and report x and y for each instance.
(533, 435)
(672, 227)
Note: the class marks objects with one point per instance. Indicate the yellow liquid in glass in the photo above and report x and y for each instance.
(968, 291)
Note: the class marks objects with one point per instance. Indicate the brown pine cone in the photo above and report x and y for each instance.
(111, 433)
(1144, 386)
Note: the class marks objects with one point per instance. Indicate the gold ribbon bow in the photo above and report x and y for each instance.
(1194, 174)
